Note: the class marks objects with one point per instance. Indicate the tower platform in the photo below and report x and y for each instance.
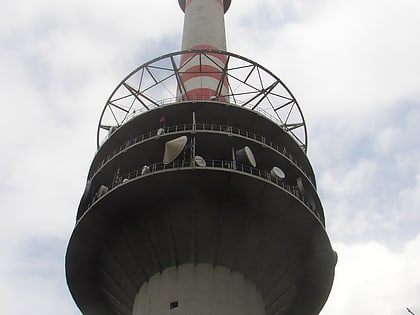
(223, 213)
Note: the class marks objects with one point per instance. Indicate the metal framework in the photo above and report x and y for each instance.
(155, 84)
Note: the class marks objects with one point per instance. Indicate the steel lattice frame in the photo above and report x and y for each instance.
(155, 84)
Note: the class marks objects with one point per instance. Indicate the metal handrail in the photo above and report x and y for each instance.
(238, 103)
(189, 165)
(203, 127)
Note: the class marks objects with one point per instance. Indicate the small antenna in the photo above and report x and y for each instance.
(410, 311)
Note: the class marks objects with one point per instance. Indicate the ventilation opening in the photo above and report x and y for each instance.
(173, 305)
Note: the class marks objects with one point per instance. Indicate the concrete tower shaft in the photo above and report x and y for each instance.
(204, 25)
(204, 28)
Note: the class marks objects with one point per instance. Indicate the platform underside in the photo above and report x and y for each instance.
(200, 215)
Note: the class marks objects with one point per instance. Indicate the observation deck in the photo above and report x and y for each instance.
(257, 213)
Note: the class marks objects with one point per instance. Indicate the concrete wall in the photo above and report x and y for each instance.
(200, 289)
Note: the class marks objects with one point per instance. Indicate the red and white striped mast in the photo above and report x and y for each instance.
(204, 29)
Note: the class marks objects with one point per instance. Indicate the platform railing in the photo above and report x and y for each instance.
(251, 106)
(147, 170)
(225, 129)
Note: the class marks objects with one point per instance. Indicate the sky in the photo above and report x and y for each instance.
(354, 67)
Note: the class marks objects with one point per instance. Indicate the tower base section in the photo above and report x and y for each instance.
(201, 289)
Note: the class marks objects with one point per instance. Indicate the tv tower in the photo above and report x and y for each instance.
(200, 199)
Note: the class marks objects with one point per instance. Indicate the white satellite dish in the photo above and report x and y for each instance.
(306, 193)
(145, 170)
(245, 156)
(278, 173)
(301, 188)
(173, 149)
(199, 161)
(102, 191)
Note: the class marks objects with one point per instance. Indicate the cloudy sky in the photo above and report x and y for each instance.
(354, 66)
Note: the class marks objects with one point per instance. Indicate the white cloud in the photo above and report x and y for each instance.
(32, 271)
(343, 60)
(367, 178)
(370, 279)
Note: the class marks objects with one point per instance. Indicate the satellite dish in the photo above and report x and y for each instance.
(102, 191)
(245, 156)
(278, 173)
(86, 193)
(199, 161)
(304, 192)
(145, 170)
(160, 131)
(173, 149)
(300, 186)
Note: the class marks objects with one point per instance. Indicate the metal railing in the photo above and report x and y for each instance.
(229, 130)
(238, 103)
(147, 170)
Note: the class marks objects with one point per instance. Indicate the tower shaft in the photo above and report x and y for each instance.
(204, 25)
(204, 28)
(199, 289)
